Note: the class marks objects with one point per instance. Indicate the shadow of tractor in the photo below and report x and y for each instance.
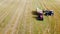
(35, 15)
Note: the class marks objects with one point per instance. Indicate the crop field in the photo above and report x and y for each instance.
(16, 17)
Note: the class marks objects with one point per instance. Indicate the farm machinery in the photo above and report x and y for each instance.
(44, 12)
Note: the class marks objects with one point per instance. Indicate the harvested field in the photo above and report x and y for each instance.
(16, 17)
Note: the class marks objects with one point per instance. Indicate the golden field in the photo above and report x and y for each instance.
(16, 17)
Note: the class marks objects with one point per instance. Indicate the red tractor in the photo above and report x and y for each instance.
(40, 14)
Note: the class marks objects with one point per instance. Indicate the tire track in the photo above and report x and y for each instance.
(45, 20)
(53, 27)
(5, 13)
(17, 18)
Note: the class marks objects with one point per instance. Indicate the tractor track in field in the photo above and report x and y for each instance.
(46, 29)
(9, 24)
(3, 14)
(53, 25)
(25, 17)
(48, 26)
(50, 20)
(56, 18)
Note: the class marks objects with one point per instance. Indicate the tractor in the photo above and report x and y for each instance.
(44, 12)
(40, 14)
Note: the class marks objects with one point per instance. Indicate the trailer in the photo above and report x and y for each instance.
(49, 12)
